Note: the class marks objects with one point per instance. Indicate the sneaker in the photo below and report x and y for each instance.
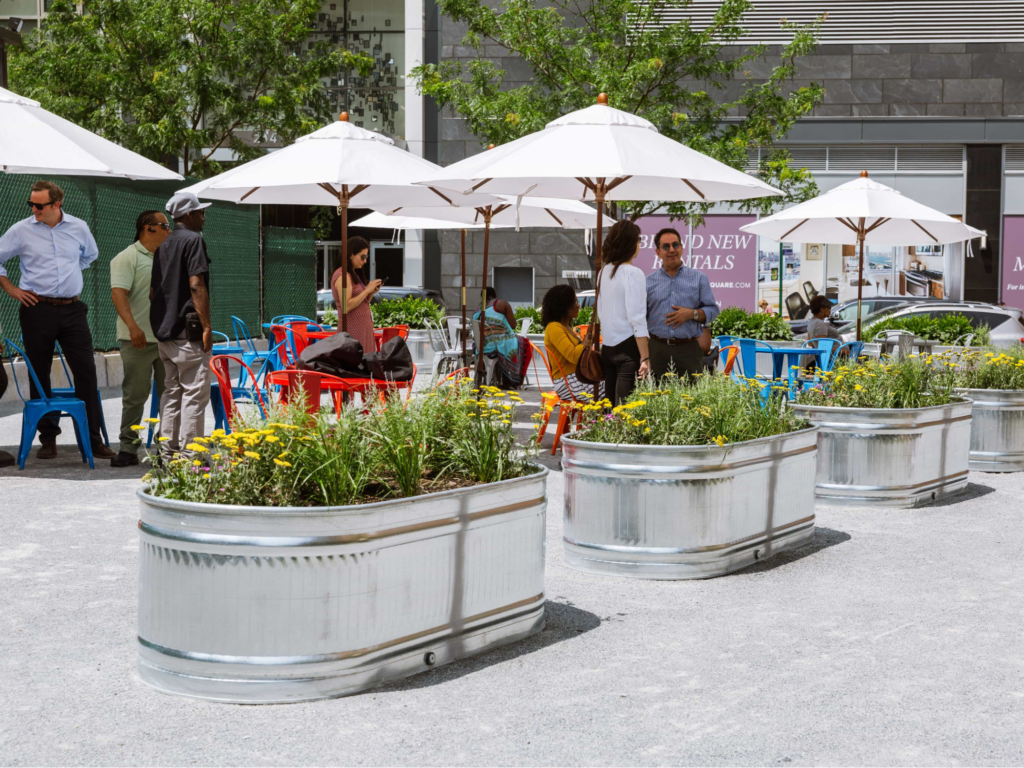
(124, 459)
(102, 452)
(6, 460)
(47, 451)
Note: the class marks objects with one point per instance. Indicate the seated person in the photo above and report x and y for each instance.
(818, 327)
(513, 352)
(564, 347)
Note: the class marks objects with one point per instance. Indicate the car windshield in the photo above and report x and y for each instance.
(848, 313)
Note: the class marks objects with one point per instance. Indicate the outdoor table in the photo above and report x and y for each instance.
(227, 349)
(888, 346)
(779, 355)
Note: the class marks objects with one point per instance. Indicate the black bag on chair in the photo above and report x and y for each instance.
(393, 362)
(338, 355)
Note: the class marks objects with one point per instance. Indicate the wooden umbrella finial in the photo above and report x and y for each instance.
(602, 98)
(863, 174)
(490, 146)
(343, 117)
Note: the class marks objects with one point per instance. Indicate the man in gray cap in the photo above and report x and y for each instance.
(180, 316)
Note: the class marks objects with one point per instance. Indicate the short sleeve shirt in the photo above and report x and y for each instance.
(182, 256)
(132, 270)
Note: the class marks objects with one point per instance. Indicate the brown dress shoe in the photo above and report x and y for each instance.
(6, 460)
(102, 452)
(48, 451)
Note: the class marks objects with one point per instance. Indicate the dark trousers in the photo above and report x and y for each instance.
(621, 365)
(42, 326)
(682, 358)
(3, 377)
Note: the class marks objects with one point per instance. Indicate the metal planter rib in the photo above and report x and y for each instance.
(279, 604)
(898, 457)
(997, 429)
(686, 512)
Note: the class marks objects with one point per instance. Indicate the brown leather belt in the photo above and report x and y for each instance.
(674, 342)
(58, 302)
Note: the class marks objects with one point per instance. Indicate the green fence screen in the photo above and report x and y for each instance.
(289, 272)
(110, 208)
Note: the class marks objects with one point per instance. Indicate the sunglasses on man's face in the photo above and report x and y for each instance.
(671, 246)
(162, 225)
(40, 206)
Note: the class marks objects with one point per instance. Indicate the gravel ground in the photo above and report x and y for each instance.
(894, 638)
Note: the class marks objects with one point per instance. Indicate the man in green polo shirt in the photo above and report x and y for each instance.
(130, 273)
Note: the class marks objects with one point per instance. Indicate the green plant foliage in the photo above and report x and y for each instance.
(945, 329)
(408, 311)
(170, 78)
(913, 382)
(682, 78)
(330, 317)
(736, 321)
(714, 410)
(991, 370)
(449, 438)
(534, 314)
(585, 315)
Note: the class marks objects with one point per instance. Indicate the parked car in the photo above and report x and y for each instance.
(1005, 327)
(845, 314)
(585, 298)
(325, 298)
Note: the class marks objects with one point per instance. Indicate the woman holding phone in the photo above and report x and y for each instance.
(359, 319)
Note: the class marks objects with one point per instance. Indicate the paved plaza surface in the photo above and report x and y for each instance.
(894, 638)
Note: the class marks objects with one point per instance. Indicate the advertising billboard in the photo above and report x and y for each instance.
(1012, 288)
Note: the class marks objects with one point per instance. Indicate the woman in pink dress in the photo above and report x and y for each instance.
(359, 318)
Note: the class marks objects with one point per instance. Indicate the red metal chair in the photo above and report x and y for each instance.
(219, 364)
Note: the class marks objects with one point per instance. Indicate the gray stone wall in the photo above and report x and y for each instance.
(548, 251)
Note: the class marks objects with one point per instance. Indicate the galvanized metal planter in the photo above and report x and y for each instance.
(899, 457)
(997, 429)
(274, 604)
(686, 512)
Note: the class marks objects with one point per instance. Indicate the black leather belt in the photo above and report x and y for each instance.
(58, 302)
(674, 342)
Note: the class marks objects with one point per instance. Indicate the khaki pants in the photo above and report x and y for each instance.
(187, 378)
(141, 367)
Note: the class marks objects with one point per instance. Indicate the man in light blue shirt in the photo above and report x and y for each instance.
(54, 248)
(679, 305)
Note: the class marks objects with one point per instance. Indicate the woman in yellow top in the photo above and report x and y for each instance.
(564, 347)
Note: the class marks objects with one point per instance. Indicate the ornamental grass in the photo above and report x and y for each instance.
(992, 370)
(450, 438)
(917, 381)
(714, 410)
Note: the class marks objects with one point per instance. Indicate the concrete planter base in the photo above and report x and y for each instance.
(686, 512)
(271, 605)
(878, 457)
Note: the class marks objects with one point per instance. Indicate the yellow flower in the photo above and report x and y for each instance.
(721, 440)
(197, 463)
(147, 477)
(272, 439)
(206, 475)
(137, 427)
(151, 420)
(505, 421)
(200, 439)
(858, 387)
(163, 439)
(197, 448)
(251, 454)
(283, 454)
(507, 407)
(281, 463)
(216, 456)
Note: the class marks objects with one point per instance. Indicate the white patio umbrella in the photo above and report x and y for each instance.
(332, 166)
(35, 141)
(863, 211)
(533, 212)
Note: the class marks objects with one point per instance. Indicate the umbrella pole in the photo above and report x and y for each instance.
(780, 280)
(599, 193)
(483, 298)
(343, 212)
(465, 349)
(860, 275)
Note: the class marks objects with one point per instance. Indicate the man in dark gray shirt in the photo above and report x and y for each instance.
(818, 327)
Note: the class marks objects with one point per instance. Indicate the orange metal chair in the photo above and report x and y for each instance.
(567, 409)
(730, 358)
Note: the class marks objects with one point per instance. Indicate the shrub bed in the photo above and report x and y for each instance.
(945, 330)
(737, 322)
(913, 382)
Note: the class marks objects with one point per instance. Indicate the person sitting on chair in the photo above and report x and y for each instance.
(818, 327)
(513, 352)
(564, 346)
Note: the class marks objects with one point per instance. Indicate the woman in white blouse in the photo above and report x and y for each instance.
(622, 310)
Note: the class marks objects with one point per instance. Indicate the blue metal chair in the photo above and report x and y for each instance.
(748, 356)
(154, 413)
(35, 410)
(285, 319)
(855, 348)
(824, 363)
(70, 392)
(724, 341)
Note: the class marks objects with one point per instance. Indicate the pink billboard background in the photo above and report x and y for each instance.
(727, 256)
(1012, 289)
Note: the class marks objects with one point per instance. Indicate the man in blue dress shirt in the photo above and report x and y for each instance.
(679, 305)
(54, 248)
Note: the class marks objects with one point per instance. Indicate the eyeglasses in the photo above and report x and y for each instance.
(671, 246)
(162, 225)
(40, 206)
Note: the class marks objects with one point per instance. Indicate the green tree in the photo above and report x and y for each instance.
(169, 78)
(693, 84)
